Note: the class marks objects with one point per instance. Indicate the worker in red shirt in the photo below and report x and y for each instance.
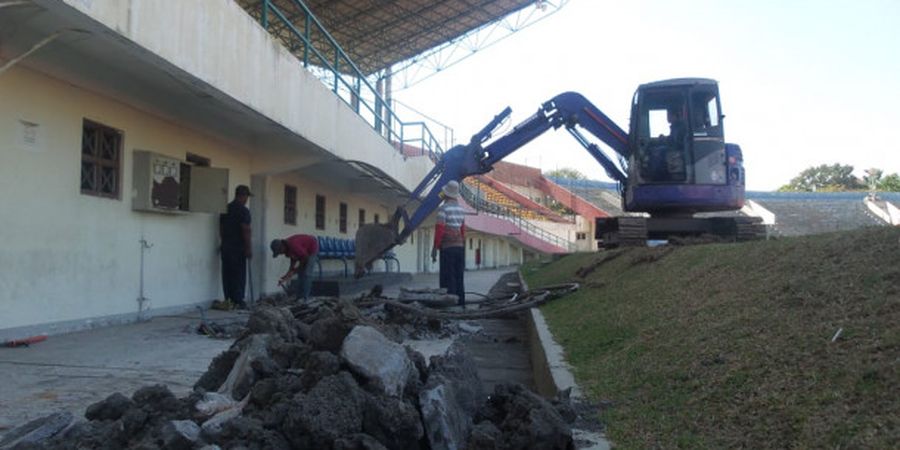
(303, 250)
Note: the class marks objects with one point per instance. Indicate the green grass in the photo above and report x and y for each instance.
(729, 345)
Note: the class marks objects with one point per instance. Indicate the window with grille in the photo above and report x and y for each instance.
(101, 160)
(290, 204)
(320, 212)
(342, 223)
(362, 217)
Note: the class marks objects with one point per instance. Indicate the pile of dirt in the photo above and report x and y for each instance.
(325, 375)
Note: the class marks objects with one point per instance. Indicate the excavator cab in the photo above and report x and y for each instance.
(679, 161)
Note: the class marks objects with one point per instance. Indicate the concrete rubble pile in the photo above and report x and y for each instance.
(318, 376)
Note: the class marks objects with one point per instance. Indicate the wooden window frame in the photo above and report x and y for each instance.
(342, 217)
(320, 212)
(290, 204)
(91, 134)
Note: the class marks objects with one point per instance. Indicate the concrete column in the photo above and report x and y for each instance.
(259, 234)
(422, 249)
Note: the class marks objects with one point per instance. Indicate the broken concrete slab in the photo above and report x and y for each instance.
(373, 356)
(446, 425)
(525, 419)
(451, 397)
(428, 296)
(393, 422)
(179, 434)
(273, 321)
(241, 377)
(213, 426)
(457, 369)
(212, 403)
(469, 327)
(429, 347)
(38, 430)
(112, 408)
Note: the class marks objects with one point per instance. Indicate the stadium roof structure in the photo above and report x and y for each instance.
(405, 34)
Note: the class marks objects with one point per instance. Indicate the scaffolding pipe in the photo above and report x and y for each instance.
(141, 298)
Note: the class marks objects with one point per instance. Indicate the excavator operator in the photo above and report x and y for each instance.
(676, 143)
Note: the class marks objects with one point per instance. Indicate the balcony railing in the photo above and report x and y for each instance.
(294, 24)
(491, 208)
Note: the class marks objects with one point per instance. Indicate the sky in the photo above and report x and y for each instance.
(802, 83)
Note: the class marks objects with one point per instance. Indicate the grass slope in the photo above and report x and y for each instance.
(729, 345)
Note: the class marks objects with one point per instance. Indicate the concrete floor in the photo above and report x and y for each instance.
(479, 281)
(71, 371)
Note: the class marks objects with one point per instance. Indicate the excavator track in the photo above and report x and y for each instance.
(624, 232)
(636, 231)
(749, 228)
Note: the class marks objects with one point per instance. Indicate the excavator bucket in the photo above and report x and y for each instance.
(372, 240)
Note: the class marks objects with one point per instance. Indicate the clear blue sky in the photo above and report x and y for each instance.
(802, 82)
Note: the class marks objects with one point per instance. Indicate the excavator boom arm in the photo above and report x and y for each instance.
(569, 110)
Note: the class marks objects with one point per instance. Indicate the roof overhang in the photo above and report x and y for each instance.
(84, 53)
(377, 34)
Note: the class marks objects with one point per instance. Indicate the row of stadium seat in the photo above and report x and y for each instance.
(345, 250)
(336, 248)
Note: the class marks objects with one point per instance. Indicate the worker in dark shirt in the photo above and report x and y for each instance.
(303, 251)
(234, 231)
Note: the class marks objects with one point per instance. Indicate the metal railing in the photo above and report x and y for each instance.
(320, 54)
(508, 214)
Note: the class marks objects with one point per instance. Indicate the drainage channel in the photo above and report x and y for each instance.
(520, 349)
(500, 351)
(500, 346)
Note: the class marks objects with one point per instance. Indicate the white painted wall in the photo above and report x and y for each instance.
(219, 43)
(70, 256)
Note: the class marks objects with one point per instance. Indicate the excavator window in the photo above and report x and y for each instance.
(705, 115)
(663, 131)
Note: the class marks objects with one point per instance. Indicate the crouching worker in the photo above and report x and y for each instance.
(303, 250)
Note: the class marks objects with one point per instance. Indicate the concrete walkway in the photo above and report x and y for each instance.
(480, 281)
(68, 372)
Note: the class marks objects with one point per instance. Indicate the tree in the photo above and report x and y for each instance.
(890, 183)
(872, 178)
(829, 178)
(565, 172)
